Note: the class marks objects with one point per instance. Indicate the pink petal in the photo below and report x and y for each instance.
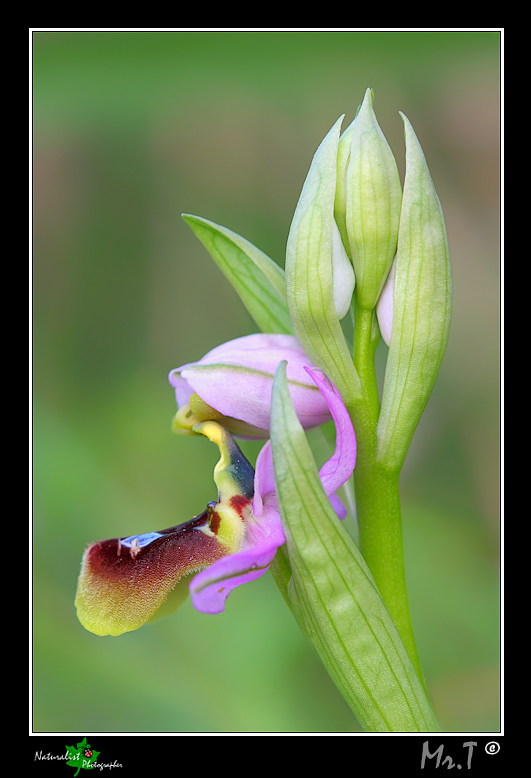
(236, 379)
(264, 478)
(210, 588)
(338, 469)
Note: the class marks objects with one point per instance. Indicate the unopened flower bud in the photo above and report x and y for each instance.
(420, 308)
(368, 196)
(319, 283)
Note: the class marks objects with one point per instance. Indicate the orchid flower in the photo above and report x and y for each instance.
(124, 581)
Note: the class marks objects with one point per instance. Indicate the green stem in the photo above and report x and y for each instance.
(377, 492)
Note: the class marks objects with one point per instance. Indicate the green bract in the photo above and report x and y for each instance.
(309, 271)
(332, 593)
(258, 279)
(422, 303)
(368, 196)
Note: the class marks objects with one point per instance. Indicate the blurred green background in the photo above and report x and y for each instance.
(131, 129)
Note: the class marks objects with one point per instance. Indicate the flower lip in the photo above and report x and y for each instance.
(124, 582)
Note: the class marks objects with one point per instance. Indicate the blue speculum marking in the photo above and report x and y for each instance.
(141, 540)
(198, 522)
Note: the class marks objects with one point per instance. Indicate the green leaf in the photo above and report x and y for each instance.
(309, 272)
(422, 305)
(333, 594)
(258, 280)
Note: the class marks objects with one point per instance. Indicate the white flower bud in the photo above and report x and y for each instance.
(343, 280)
(384, 309)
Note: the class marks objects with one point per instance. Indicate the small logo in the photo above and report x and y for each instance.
(492, 747)
(82, 756)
